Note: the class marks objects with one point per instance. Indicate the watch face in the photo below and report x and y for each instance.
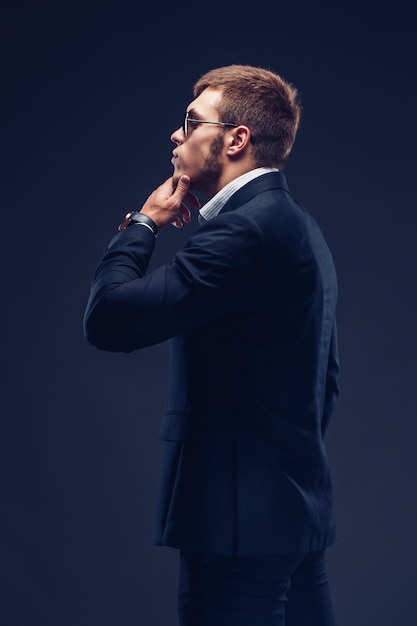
(126, 221)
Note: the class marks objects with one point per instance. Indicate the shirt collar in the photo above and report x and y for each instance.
(217, 202)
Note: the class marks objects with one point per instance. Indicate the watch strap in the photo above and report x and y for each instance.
(136, 217)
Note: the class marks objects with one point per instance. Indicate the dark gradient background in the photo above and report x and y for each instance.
(91, 93)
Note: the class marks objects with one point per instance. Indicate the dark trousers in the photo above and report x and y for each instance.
(279, 590)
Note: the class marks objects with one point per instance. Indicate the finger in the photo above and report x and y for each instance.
(183, 187)
(184, 217)
(183, 183)
(182, 193)
(192, 200)
(177, 222)
(185, 213)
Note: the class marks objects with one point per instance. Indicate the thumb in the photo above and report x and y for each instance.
(183, 186)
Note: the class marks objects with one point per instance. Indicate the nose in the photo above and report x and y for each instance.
(178, 136)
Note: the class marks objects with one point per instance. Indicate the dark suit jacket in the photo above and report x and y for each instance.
(250, 304)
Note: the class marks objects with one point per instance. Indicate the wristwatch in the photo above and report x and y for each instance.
(136, 217)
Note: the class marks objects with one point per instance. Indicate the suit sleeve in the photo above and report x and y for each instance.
(129, 309)
(332, 387)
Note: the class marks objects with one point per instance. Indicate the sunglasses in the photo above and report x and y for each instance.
(189, 120)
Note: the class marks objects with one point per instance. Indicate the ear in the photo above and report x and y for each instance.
(237, 140)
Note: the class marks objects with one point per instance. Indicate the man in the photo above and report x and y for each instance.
(249, 303)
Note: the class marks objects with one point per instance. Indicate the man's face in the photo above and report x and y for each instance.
(199, 153)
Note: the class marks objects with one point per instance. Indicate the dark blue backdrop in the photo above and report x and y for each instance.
(91, 93)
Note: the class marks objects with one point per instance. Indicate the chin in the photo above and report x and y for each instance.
(176, 175)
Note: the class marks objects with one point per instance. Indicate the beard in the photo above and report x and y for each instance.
(212, 168)
(207, 178)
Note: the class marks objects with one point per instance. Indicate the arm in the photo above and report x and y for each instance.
(130, 309)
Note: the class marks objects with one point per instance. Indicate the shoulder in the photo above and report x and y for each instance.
(231, 238)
